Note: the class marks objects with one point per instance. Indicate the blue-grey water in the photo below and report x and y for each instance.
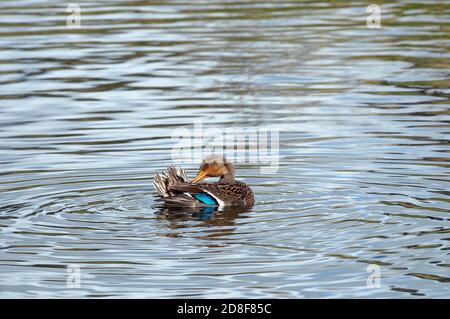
(87, 117)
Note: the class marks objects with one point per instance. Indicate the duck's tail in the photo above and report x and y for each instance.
(164, 181)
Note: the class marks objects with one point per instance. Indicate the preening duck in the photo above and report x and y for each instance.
(174, 188)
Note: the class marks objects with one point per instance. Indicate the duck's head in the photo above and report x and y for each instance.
(215, 166)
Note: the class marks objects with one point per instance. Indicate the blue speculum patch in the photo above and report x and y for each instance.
(205, 198)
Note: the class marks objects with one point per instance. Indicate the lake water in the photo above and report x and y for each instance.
(87, 117)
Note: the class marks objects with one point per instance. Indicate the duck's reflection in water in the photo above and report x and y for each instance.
(180, 218)
(212, 215)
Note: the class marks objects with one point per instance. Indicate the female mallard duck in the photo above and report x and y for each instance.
(174, 189)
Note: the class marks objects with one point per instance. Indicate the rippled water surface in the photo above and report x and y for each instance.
(87, 115)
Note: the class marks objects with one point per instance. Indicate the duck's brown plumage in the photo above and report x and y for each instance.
(174, 188)
(231, 194)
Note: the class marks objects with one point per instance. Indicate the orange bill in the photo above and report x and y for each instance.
(201, 175)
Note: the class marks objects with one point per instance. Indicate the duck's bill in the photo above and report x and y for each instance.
(201, 175)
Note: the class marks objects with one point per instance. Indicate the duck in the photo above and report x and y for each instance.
(174, 189)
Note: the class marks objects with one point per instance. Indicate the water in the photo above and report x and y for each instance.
(87, 116)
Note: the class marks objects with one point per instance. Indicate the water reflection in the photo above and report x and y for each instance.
(212, 215)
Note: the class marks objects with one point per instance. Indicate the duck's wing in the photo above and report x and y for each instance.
(221, 194)
(180, 200)
(183, 195)
(209, 194)
(166, 185)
